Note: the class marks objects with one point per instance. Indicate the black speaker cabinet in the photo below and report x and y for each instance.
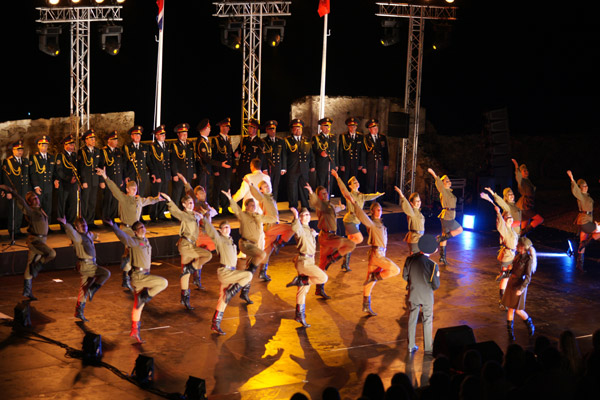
(398, 125)
(452, 341)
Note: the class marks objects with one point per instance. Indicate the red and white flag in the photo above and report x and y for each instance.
(323, 7)
(161, 13)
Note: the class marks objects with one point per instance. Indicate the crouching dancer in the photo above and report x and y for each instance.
(308, 272)
(92, 275)
(232, 280)
(145, 286)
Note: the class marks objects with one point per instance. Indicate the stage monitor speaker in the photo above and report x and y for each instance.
(143, 371)
(92, 348)
(398, 125)
(22, 315)
(452, 341)
(489, 351)
(195, 389)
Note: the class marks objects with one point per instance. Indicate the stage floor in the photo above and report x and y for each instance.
(265, 354)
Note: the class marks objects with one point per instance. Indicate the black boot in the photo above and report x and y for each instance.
(333, 257)
(443, 237)
(530, 326)
(299, 280)
(367, 306)
(252, 268)
(231, 291)
(500, 305)
(374, 276)
(142, 298)
(135, 331)
(28, 289)
(346, 263)
(580, 258)
(245, 294)
(320, 291)
(301, 315)
(36, 266)
(503, 275)
(443, 256)
(198, 279)
(126, 283)
(79, 312)
(185, 299)
(263, 273)
(187, 269)
(91, 290)
(216, 322)
(510, 330)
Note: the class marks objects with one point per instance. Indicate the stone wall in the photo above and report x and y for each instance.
(57, 128)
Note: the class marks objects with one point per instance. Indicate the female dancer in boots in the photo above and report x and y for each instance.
(276, 234)
(351, 221)
(585, 217)
(380, 267)
(39, 252)
(252, 239)
(530, 218)
(524, 266)
(331, 246)
(192, 256)
(92, 275)
(508, 245)
(507, 204)
(416, 220)
(450, 227)
(308, 272)
(232, 280)
(145, 285)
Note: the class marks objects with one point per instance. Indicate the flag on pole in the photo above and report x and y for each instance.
(161, 13)
(323, 7)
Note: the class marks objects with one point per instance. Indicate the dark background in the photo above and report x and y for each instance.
(538, 62)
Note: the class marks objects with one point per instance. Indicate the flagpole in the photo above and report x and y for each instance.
(323, 68)
(159, 57)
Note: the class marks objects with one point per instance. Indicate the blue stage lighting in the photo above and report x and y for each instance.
(468, 221)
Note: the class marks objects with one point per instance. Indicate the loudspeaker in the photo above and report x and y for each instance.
(398, 125)
(489, 351)
(452, 341)
(143, 371)
(92, 347)
(195, 389)
(22, 315)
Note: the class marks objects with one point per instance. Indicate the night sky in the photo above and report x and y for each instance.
(540, 63)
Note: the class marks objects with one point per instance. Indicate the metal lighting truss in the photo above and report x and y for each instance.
(417, 14)
(251, 13)
(80, 19)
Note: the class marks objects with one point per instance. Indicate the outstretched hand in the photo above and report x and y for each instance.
(294, 212)
(227, 193)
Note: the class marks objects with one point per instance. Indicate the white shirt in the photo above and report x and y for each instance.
(244, 193)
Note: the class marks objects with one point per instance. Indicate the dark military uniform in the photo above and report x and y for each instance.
(249, 149)
(113, 160)
(300, 161)
(15, 173)
(41, 175)
(221, 151)
(159, 166)
(66, 171)
(350, 153)
(376, 157)
(136, 162)
(204, 161)
(275, 158)
(324, 147)
(183, 161)
(88, 159)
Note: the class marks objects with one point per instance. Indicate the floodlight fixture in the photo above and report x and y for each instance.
(75, 2)
(231, 34)
(110, 37)
(273, 31)
(52, 2)
(391, 32)
(98, 1)
(48, 39)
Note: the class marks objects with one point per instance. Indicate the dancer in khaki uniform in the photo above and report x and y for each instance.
(332, 246)
(192, 256)
(145, 285)
(450, 227)
(585, 217)
(308, 272)
(507, 204)
(252, 235)
(130, 211)
(232, 280)
(416, 220)
(530, 218)
(380, 267)
(92, 275)
(351, 221)
(39, 252)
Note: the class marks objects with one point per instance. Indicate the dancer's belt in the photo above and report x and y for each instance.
(43, 236)
(187, 238)
(227, 267)
(306, 255)
(586, 212)
(87, 260)
(142, 270)
(125, 225)
(449, 209)
(251, 241)
(419, 232)
(327, 232)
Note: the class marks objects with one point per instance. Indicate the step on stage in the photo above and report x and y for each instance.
(265, 353)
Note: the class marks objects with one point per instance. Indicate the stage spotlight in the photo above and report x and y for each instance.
(273, 31)
(110, 36)
(92, 348)
(391, 32)
(52, 2)
(48, 39)
(98, 1)
(75, 2)
(468, 221)
(195, 389)
(143, 371)
(231, 34)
